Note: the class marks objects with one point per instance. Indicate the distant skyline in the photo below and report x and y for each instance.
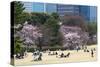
(89, 13)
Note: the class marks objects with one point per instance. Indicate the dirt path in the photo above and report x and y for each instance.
(46, 59)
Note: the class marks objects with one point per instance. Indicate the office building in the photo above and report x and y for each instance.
(89, 13)
(67, 10)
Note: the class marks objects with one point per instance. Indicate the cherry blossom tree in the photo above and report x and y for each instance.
(73, 37)
(29, 34)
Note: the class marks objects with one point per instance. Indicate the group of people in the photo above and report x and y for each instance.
(62, 55)
(37, 55)
(53, 53)
(21, 55)
(90, 51)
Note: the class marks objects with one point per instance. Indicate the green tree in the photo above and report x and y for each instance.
(17, 45)
(25, 17)
(92, 28)
(38, 18)
(50, 31)
(18, 10)
(55, 16)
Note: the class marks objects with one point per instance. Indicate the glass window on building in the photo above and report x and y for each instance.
(50, 8)
(28, 6)
(38, 7)
(93, 13)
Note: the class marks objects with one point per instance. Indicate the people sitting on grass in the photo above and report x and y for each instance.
(37, 56)
(63, 56)
(52, 53)
(17, 56)
(87, 50)
(20, 55)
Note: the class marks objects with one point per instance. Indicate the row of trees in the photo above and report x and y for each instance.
(48, 24)
(40, 18)
(90, 27)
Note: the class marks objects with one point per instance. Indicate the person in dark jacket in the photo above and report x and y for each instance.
(92, 53)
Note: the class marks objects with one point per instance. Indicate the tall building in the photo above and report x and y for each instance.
(93, 14)
(50, 8)
(28, 6)
(67, 10)
(38, 7)
(34, 7)
(85, 12)
(89, 13)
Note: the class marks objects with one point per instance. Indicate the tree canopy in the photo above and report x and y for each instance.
(75, 21)
(92, 28)
(17, 45)
(18, 10)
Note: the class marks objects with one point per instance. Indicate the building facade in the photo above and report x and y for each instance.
(50, 8)
(89, 13)
(67, 10)
(93, 14)
(28, 6)
(85, 12)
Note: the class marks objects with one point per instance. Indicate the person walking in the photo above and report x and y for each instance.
(92, 53)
